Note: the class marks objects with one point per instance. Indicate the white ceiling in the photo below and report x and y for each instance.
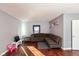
(37, 11)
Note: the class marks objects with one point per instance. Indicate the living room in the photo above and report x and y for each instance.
(42, 27)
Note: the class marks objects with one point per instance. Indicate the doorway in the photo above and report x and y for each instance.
(75, 34)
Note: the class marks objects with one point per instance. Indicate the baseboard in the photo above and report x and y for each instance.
(66, 48)
(4, 53)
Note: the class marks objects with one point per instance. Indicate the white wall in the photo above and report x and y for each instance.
(67, 28)
(57, 29)
(9, 27)
(44, 27)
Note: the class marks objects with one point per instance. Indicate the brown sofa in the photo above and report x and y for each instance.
(53, 41)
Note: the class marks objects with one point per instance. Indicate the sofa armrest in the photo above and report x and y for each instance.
(58, 40)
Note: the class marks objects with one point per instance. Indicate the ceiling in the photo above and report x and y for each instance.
(38, 11)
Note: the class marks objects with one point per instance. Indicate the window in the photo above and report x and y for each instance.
(36, 28)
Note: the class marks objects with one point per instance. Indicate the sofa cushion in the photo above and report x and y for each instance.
(50, 41)
(54, 46)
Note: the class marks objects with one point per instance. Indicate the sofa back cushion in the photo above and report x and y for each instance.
(40, 35)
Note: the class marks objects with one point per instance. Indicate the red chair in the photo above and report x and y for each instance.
(11, 48)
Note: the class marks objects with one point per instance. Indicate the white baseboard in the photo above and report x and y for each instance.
(3, 53)
(66, 48)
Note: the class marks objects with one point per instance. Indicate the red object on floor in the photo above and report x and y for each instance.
(11, 48)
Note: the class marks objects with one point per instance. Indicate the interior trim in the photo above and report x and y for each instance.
(4, 53)
(66, 48)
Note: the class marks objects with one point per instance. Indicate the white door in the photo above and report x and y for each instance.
(75, 34)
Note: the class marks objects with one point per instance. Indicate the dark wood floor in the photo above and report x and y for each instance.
(46, 52)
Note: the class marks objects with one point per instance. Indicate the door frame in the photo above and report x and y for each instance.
(71, 37)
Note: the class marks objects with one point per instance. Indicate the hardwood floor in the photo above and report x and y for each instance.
(43, 52)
